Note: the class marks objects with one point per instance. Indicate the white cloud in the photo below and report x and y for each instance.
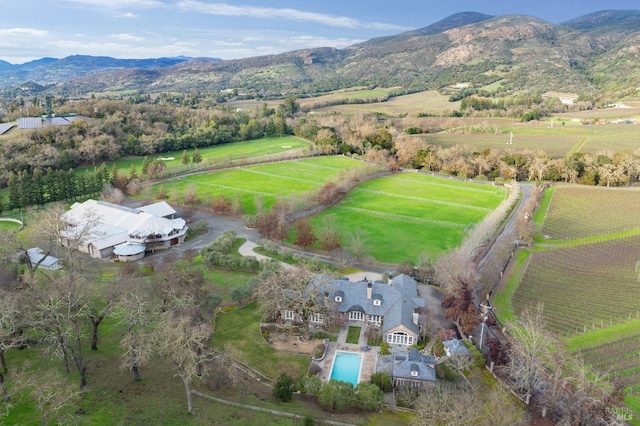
(23, 31)
(315, 41)
(123, 50)
(126, 37)
(118, 4)
(226, 43)
(225, 9)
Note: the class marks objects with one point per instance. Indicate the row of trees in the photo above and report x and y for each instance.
(114, 128)
(28, 189)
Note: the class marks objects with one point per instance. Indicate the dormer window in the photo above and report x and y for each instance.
(338, 299)
(414, 373)
(377, 300)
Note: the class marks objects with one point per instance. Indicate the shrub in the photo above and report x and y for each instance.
(319, 351)
(250, 220)
(369, 396)
(283, 388)
(384, 348)
(314, 370)
(382, 380)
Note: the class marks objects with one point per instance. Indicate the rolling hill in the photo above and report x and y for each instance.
(591, 54)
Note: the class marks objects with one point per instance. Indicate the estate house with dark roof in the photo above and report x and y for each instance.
(411, 368)
(394, 308)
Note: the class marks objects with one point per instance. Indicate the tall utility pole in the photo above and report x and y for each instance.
(486, 308)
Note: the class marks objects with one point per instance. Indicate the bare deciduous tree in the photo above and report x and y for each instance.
(60, 312)
(137, 313)
(530, 348)
(447, 405)
(185, 344)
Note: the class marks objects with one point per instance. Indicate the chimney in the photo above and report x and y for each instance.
(369, 285)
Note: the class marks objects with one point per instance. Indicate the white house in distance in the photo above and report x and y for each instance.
(103, 229)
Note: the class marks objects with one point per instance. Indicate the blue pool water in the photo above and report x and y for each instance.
(346, 367)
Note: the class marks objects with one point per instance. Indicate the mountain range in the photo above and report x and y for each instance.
(592, 54)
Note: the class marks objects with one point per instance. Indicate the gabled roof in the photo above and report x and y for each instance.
(36, 255)
(456, 347)
(161, 209)
(111, 224)
(406, 362)
(5, 127)
(399, 300)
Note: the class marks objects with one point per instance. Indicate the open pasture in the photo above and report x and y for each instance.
(265, 182)
(403, 215)
(430, 102)
(215, 154)
(554, 143)
(613, 137)
(604, 114)
(346, 94)
(583, 211)
(583, 287)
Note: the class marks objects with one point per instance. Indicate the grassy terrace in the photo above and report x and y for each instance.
(411, 213)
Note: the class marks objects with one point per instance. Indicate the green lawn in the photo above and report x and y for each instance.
(263, 184)
(215, 154)
(240, 331)
(8, 226)
(353, 335)
(402, 215)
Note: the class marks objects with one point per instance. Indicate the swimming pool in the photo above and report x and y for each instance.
(346, 367)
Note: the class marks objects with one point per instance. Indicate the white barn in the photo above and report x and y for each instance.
(98, 228)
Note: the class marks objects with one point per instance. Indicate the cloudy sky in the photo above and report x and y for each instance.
(32, 29)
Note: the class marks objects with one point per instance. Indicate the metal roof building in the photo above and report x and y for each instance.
(5, 127)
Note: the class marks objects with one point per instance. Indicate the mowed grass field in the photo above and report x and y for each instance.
(403, 215)
(214, 154)
(584, 268)
(260, 186)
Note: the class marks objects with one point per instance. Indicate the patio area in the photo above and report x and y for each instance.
(369, 357)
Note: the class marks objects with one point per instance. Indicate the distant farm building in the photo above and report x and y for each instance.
(40, 258)
(564, 98)
(26, 123)
(103, 230)
(5, 127)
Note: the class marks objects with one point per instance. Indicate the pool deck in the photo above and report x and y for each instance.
(369, 358)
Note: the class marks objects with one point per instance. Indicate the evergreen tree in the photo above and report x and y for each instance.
(145, 166)
(197, 157)
(26, 191)
(13, 186)
(133, 175)
(185, 158)
(37, 187)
